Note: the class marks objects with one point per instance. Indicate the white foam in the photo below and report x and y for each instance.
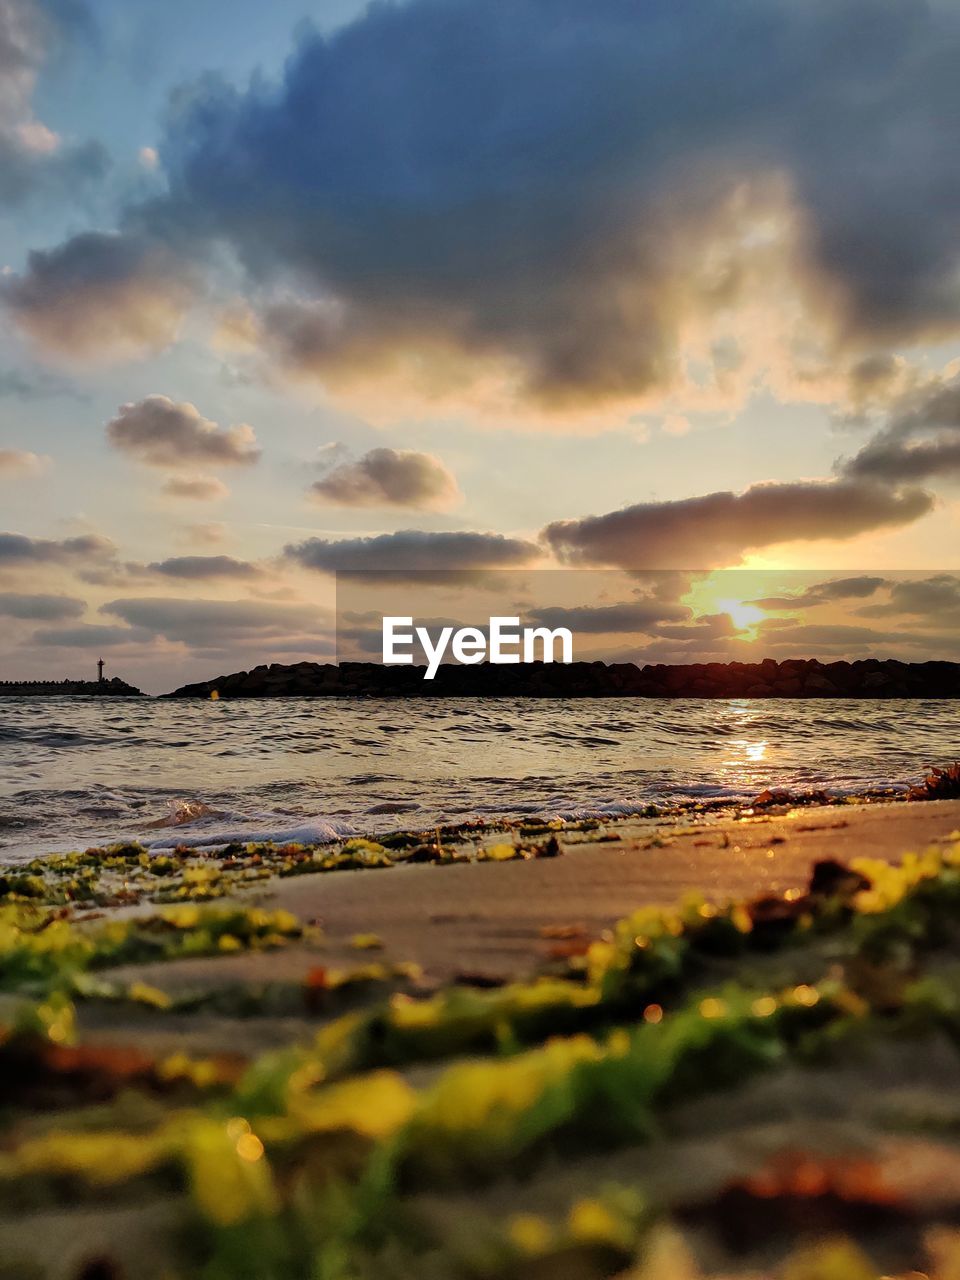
(317, 831)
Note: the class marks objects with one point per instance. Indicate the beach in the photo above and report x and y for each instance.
(434, 970)
(479, 647)
(488, 920)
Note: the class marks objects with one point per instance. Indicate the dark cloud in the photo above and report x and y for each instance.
(819, 634)
(389, 477)
(855, 588)
(39, 608)
(936, 599)
(411, 552)
(195, 488)
(547, 183)
(18, 549)
(27, 171)
(719, 528)
(873, 376)
(613, 619)
(919, 441)
(161, 433)
(88, 637)
(708, 629)
(898, 461)
(199, 568)
(186, 568)
(223, 624)
(844, 640)
(101, 297)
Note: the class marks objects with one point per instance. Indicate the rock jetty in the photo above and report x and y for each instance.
(793, 678)
(115, 688)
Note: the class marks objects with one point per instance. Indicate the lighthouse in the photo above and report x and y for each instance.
(99, 671)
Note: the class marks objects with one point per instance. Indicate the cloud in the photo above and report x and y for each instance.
(717, 529)
(101, 297)
(919, 441)
(564, 193)
(186, 568)
(708, 629)
(896, 461)
(413, 552)
(17, 549)
(39, 608)
(390, 477)
(195, 488)
(824, 634)
(21, 462)
(199, 568)
(643, 615)
(937, 599)
(844, 640)
(33, 159)
(855, 588)
(222, 623)
(161, 433)
(87, 637)
(558, 199)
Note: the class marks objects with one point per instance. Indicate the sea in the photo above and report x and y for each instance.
(79, 772)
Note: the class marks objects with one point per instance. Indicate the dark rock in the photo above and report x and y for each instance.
(793, 678)
(114, 688)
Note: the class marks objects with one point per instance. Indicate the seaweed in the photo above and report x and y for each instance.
(939, 784)
(315, 1158)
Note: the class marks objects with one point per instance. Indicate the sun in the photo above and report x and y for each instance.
(743, 616)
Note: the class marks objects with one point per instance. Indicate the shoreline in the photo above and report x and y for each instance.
(205, 833)
(481, 902)
(485, 921)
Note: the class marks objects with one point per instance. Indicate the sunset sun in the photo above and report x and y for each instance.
(743, 615)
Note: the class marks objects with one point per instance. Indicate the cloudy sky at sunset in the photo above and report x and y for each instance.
(484, 284)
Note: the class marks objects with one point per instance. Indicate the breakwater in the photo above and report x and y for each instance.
(792, 678)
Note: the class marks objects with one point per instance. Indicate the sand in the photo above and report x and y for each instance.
(487, 920)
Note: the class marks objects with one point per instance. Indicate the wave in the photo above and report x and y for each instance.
(71, 778)
(318, 831)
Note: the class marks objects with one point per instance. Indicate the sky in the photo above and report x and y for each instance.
(490, 285)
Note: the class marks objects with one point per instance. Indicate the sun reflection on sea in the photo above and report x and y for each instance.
(744, 752)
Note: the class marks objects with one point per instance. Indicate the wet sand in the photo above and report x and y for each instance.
(487, 920)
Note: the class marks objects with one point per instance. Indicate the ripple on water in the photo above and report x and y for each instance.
(78, 773)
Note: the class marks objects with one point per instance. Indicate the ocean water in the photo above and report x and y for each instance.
(76, 772)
